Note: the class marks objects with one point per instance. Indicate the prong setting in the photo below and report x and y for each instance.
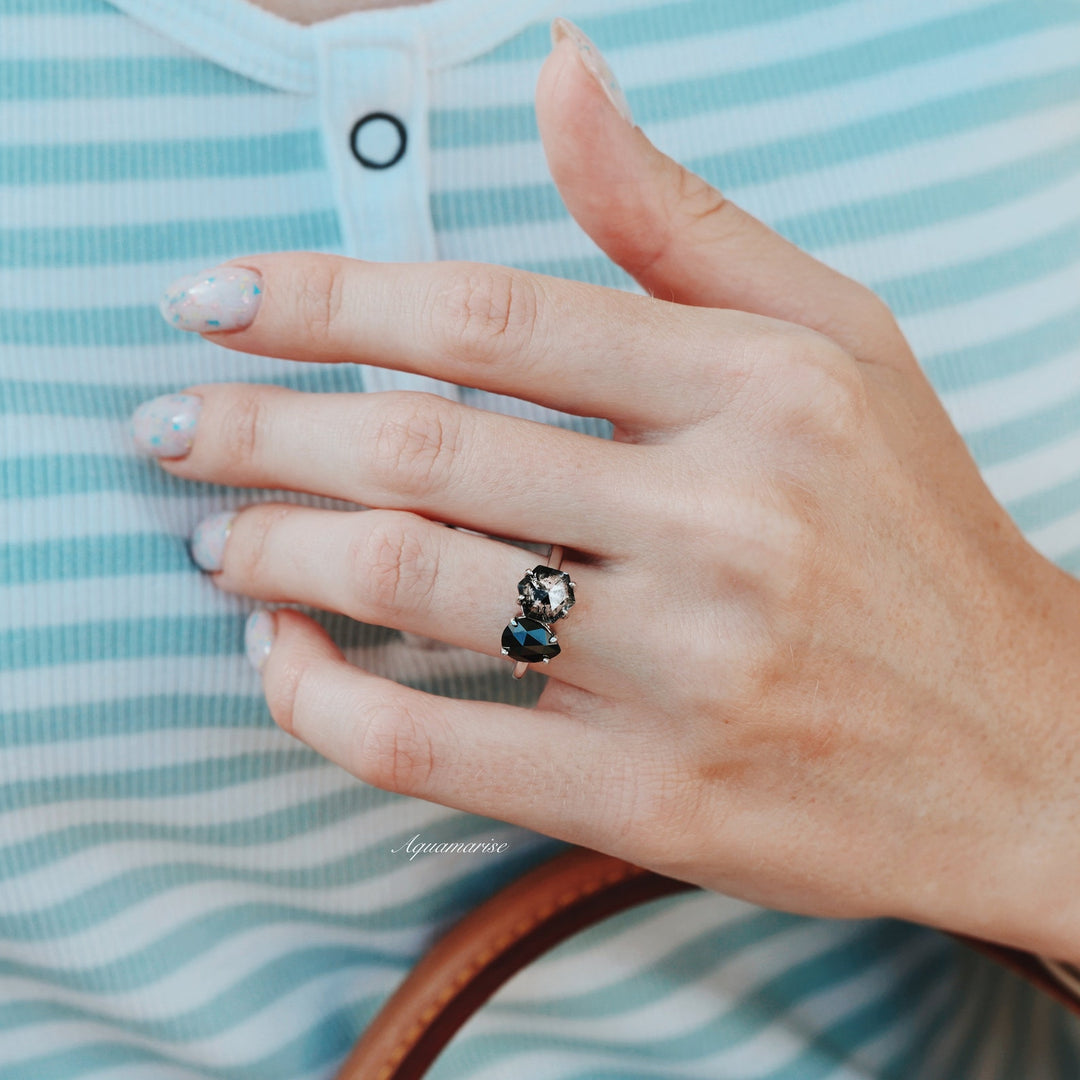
(544, 595)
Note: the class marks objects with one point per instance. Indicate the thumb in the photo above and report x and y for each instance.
(672, 231)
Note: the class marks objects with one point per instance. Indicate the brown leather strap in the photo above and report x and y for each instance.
(545, 906)
(1026, 965)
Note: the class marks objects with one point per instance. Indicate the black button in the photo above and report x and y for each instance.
(354, 139)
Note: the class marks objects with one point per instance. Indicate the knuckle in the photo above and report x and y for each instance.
(806, 585)
(416, 439)
(695, 204)
(320, 295)
(391, 748)
(486, 313)
(756, 546)
(773, 552)
(828, 398)
(788, 559)
(847, 404)
(245, 427)
(393, 563)
(736, 382)
(699, 201)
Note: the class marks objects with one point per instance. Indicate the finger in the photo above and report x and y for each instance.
(675, 233)
(532, 767)
(397, 569)
(408, 450)
(568, 345)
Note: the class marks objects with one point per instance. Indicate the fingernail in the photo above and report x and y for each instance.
(222, 298)
(165, 426)
(208, 540)
(259, 637)
(594, 61)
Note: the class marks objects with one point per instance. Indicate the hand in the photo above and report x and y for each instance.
(812, 663)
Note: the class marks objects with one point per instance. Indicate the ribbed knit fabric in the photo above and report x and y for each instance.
(187, 892)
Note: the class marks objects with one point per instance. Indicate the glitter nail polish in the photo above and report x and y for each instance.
(222, 298)
(165, 426)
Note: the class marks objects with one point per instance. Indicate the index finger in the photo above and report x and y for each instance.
(574, 346)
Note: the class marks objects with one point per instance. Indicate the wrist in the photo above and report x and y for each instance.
(1040, 868)
(1006, 869)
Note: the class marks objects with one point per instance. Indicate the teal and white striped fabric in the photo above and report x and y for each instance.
(185, 891)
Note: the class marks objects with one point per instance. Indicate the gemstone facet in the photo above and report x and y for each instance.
(545, 593)
(529, 640)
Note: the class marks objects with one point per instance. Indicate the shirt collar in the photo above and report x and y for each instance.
(277, 52)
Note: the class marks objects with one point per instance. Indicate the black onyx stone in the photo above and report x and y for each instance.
(546, 593)
(529, 640)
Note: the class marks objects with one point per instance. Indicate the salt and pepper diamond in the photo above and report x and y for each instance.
(545, 593)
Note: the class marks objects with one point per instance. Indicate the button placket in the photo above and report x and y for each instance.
(374, 104)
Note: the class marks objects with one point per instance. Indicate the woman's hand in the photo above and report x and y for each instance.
(812, 662)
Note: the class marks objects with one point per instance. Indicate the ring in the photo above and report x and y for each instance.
(545, 594)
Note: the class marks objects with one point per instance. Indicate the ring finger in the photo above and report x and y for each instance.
(396, 568)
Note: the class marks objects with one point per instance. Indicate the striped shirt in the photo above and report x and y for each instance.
(187, 891)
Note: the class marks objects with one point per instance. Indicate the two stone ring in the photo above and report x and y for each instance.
(545, 595)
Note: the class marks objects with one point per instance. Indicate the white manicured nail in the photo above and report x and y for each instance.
(594, 61)
(223, 298)
(259, 637)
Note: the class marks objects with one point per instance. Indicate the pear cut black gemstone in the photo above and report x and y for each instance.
(546, 593)
(529, 640)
